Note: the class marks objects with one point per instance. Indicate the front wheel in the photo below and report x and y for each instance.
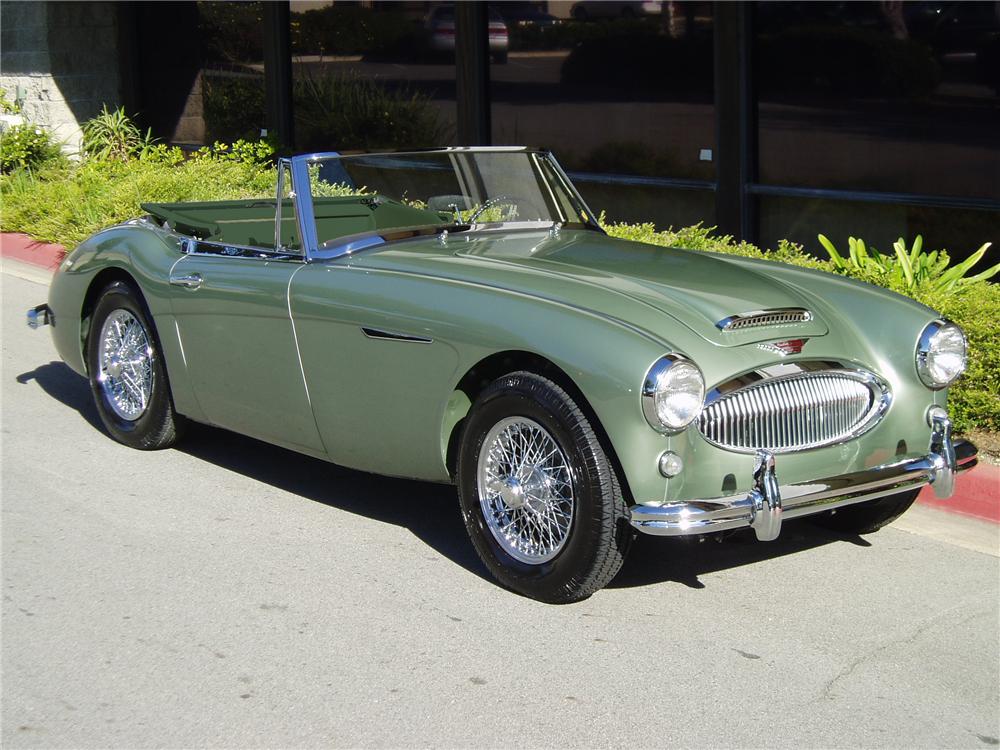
(540, 499)
(867, 517)
(127, 376)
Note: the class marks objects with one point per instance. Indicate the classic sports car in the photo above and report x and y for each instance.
(457, 315)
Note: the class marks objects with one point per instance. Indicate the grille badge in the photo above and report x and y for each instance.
(784, 348)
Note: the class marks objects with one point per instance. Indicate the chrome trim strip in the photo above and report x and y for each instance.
(380, 335)
(295, 335)
(774, 318)
(801, 499)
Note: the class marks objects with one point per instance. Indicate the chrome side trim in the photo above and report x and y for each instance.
(295, 335)
(776, 502)
(375, 333)
(779, 316)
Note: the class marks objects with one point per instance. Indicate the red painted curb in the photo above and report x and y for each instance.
(23, 248)
(977, 492)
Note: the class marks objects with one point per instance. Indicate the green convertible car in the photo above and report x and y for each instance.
(458, 315)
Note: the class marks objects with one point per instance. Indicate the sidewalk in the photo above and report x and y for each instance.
(977, 492)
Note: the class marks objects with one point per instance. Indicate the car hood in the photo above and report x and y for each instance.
(643, 285)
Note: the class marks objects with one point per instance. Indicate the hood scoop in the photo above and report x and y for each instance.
(777, 317)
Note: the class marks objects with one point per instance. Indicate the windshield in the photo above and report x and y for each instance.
(439, 189)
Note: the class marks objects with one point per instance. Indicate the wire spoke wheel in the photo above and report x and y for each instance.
(525, 490)
(125, 360)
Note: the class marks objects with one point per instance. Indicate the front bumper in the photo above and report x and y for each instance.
(768, 503)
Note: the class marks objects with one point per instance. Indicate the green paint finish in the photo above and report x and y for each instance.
(601, 310)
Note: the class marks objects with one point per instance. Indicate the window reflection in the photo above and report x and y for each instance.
(885, 96)
(622, 88)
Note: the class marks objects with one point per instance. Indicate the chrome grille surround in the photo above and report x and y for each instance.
(782, 316)
(812, 407)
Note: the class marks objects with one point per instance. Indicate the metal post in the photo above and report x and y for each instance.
(472, 73)
(278, 72)
(735, 121)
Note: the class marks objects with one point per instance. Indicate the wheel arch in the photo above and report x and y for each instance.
(496, 365)
(101, 281)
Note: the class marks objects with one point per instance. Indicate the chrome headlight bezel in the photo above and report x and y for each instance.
(928, 345)
(656, 381)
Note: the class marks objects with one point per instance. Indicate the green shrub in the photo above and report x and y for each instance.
(911, 269)
(66, 204)
(340, 112)
(27, 147)
(974, 401)
(351, 112)
(112, 136)
(351, 30)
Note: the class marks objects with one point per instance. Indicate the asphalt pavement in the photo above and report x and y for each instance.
(232, 594)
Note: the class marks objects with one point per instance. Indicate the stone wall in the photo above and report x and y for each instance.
(63, 58)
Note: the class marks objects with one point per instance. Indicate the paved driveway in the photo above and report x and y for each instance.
(233, 594)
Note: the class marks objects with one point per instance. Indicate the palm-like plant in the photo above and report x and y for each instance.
(910, 268)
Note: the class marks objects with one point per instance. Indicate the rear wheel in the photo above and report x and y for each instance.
(127, 376)
(867, 517)
(539, 497)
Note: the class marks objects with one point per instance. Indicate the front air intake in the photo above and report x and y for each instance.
(796, 412)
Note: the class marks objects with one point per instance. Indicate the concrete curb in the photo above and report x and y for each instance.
(28, 250)
(977, 492)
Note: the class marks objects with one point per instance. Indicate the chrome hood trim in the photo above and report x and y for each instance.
(782, 316)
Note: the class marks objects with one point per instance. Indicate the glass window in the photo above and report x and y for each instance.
(232, 78)
(960, 232)
(612, 88)
(371, 76)
(882, 96)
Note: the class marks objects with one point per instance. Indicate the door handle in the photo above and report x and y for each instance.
(188, 281)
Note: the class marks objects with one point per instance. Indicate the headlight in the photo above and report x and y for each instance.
(673, 393)
(940, 354)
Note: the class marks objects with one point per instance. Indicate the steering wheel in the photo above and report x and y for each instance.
(511, 200)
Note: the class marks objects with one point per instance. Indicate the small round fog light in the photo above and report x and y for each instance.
(670, 464)
(935, 412)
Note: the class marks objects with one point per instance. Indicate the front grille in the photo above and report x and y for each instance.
(796, 412)
(765, 318)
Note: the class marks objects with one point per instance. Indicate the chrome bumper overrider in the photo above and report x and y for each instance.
(39, 316)
(764, 507)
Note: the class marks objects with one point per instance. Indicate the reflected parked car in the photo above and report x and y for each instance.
(523, 14)
(588, 10)
(441, 30)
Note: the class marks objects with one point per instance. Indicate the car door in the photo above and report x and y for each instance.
(239, 345)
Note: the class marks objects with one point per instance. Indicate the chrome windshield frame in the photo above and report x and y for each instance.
(306, 216)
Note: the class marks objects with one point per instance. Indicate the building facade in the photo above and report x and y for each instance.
(769, 120)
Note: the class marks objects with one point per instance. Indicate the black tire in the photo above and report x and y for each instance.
(158, 426)
(867, 517)
(599, 535)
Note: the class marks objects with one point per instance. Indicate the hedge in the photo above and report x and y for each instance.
(66, 203)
